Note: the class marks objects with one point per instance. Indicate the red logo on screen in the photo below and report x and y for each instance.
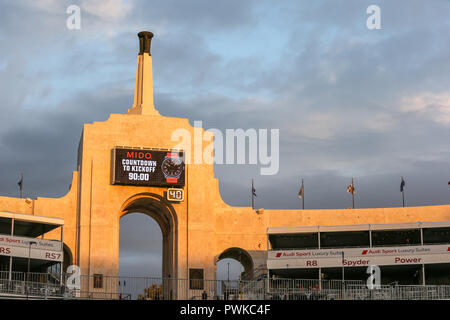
(364, 252)
(278, 255)
(139, 155)
(172, 155)
(448, 249)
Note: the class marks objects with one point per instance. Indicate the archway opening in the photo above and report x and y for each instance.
(147, 241)
(68, 257)
(140, 246)
(229, 269)
(242, 257)
(233, 266)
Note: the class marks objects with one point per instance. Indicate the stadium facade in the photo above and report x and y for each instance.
(127, 164)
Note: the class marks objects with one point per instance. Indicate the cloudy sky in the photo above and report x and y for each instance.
(348, 101)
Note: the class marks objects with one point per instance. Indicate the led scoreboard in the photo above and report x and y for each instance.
(139, 167)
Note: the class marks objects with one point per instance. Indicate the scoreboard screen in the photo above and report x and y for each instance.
(139, 167)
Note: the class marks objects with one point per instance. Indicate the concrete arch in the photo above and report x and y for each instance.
(165, 215)
(68, 257)
(243, 257)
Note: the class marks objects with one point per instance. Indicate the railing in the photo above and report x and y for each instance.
(30, 285)
(259, 272)
(288, 289)
(47, 286)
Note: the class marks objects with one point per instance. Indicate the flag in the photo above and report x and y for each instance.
(351, 188)
(301, 192)
(253, 195)
(20, 183)
(402, 185)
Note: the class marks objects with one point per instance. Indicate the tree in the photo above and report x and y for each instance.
(154, 292)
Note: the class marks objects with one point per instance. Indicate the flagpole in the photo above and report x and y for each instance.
(403, 198)
(303, 196)
(21, 185)
(403, 192)
(253, 196)
(353, 194)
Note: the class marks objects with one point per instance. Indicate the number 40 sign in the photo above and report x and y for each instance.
(175, 194)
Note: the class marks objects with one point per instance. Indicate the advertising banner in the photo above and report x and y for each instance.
(358, 257)
(25, 242)
(39, 249)
(33, 253)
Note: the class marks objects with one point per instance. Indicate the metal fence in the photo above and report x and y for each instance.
(53, 286)
(40, 285)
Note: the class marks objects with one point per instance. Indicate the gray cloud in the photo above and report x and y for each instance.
(336, 91)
